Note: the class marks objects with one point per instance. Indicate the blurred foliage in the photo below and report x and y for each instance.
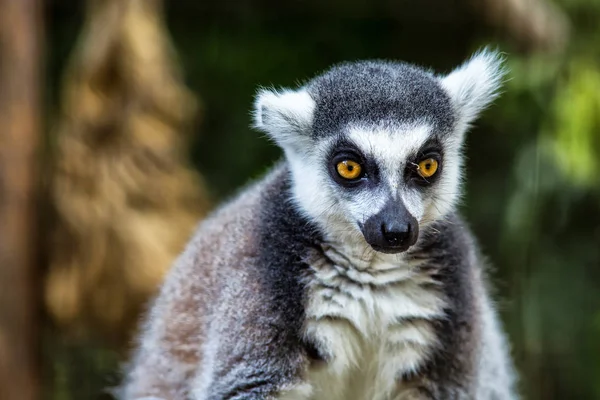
(549, 249)
(533, 190)
(576, 122)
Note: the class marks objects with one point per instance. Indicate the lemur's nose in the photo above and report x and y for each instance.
(396, 233)
(391, 230)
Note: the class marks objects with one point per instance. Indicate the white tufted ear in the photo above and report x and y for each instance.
(475, 84)
(286, 116)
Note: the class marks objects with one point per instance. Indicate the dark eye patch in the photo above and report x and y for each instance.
(344, 150)
(431, 149)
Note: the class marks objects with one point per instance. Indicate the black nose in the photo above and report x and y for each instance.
(396, 233)
(391, 230)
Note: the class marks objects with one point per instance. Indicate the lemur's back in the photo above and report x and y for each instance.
(345, 273)
(195, 302)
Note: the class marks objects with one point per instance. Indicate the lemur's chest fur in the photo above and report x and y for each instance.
(372, 321)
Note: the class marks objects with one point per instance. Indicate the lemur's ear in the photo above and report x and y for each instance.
(475, 84)
(286, 115)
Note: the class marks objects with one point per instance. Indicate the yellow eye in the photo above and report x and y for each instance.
(428, 167)
(349, 169)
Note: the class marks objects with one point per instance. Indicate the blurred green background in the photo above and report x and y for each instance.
(532, 189)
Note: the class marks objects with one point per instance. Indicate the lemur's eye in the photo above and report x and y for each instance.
(427, 168)
(349, 169)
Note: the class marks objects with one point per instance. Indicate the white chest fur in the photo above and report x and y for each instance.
(372, 319)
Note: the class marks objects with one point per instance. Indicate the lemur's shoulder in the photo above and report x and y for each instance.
(235, 290)
(256, 247)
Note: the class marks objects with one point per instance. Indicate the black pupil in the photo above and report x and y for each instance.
(350, 168)
(428, 166)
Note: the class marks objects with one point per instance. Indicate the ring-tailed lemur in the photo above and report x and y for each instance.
(345, 272)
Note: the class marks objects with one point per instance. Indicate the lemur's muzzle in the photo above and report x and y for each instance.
(391, 230)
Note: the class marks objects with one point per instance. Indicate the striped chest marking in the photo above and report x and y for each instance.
(372, 322)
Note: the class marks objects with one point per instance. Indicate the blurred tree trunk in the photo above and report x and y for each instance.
(126, 199)
(20, 65)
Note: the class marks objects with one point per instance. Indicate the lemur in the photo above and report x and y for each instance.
(345, 272)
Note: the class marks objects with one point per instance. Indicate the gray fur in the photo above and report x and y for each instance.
(376, 92)
(278, 296)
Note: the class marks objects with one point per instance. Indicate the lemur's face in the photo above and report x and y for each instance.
(374, 148)
(385, 182)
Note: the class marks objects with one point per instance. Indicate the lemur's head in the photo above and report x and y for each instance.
(374, 147)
